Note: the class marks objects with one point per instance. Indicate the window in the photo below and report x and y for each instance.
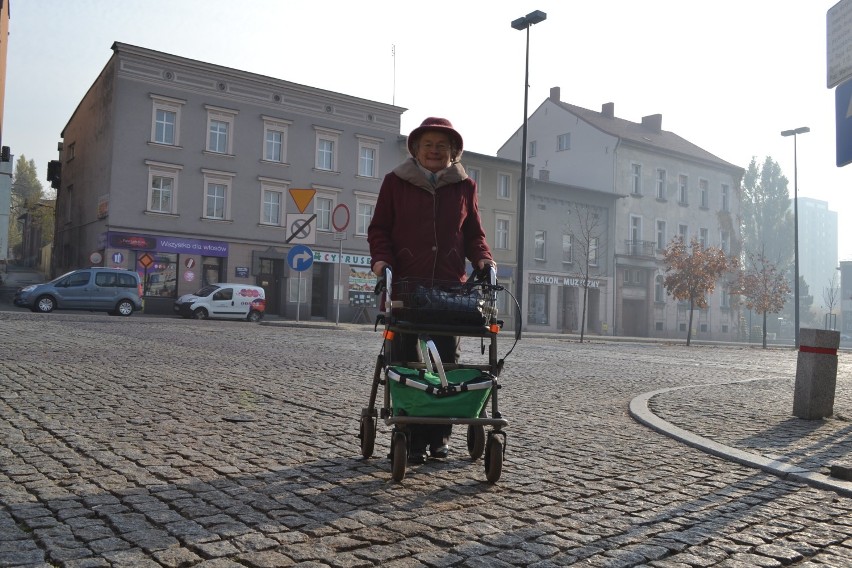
(162, 187)
(474, 173)
(661, 184)
(725, 299)
(540, 245)
(323, 207)
(538, 307)
(563, 142)
(297, 290)
(220, 127)
(533, 147)
(501, 233)
(704, 190)
(725, 242)
(661, 235)
(683, 232)
(504, 186)
(683, 189)
(161, 194)
(593, 251)
(78, 279)
(636, 179)
(659, 289)
(326, 149)
(217, 194)
(726, 197)
(368, 156)
(363, 214)
(702, 238)
(271, 210)
(165, 120)
(275, 139)
(567, 248)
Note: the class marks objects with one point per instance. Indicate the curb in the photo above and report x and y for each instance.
(641, 413)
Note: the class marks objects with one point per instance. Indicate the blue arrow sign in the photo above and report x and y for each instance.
(300, 258)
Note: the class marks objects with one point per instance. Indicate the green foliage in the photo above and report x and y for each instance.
(27, 200)
(767, 221)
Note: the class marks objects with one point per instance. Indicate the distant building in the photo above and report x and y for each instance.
(669, 187)
(818, 248)
(845, 324)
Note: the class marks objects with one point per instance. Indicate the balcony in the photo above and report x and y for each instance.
(642, 249)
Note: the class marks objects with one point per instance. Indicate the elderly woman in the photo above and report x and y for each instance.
(425, 224)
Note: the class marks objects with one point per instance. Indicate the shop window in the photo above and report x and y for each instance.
(538, 308)
(160, 278)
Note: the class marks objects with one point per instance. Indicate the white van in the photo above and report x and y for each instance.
(226, 301)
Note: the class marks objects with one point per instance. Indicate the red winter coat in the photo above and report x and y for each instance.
(426, 233)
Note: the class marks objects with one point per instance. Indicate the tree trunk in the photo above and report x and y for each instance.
(689, 329)
(764, 330)
(583, 318)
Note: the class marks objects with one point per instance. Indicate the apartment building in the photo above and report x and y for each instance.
(661, 186)
(193, 173)
(818, 249)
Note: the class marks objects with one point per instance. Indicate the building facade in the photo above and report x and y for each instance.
(192, 173)
(662, 186)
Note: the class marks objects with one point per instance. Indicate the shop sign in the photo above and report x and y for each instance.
(345, 258)
(167, 244)
(563, 280)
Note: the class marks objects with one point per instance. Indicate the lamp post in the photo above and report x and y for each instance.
(524, 23)
(794, 133)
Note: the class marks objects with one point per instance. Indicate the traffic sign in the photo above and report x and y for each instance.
(299, 228)
(300, 258)
(302, 197)
(340, 227)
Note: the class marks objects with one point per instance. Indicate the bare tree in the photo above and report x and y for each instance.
(587, 228)
(831, 296)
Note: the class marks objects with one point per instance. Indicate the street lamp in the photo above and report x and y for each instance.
(524, 23)
(794, 133)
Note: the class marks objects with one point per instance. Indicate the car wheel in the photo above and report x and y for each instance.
(255, 316)
(45, 304)
(124, 308)
(200, 314)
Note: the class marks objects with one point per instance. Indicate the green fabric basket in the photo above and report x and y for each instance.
(410, 401)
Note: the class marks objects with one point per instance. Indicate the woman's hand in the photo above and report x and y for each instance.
(379, 268)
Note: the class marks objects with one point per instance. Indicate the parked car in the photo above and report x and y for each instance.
(226, 301)
(113, 290)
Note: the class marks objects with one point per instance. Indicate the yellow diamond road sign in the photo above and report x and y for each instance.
(302, 198)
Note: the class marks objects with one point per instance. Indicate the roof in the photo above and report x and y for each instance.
(646, 134)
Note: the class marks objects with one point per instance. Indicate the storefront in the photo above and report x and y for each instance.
(168, 266)
(555, 302)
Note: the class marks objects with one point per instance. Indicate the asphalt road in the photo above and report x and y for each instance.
(151, 441)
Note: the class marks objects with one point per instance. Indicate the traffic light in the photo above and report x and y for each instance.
(54, 173)
(5, 154)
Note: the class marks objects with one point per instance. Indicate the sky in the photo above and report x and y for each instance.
(727, 75)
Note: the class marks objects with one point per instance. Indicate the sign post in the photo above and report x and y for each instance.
(340, 235)
(300, 258)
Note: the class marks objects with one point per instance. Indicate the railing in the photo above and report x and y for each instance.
(641, 248)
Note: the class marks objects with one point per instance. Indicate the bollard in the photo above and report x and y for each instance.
(816, 373)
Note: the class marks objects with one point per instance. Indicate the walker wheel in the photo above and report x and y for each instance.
(493, 458)
(399, 450)
(475, 441)
(368, 435)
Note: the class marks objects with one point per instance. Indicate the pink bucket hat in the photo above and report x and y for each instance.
(439, 125)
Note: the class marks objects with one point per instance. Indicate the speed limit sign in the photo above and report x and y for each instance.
(340, 221)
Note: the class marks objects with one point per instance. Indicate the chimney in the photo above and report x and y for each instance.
(653, 122)
(608, 110)
(555, 94)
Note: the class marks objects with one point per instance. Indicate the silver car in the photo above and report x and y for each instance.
(112, 290)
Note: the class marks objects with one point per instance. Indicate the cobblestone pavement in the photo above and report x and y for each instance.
(149, 441)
